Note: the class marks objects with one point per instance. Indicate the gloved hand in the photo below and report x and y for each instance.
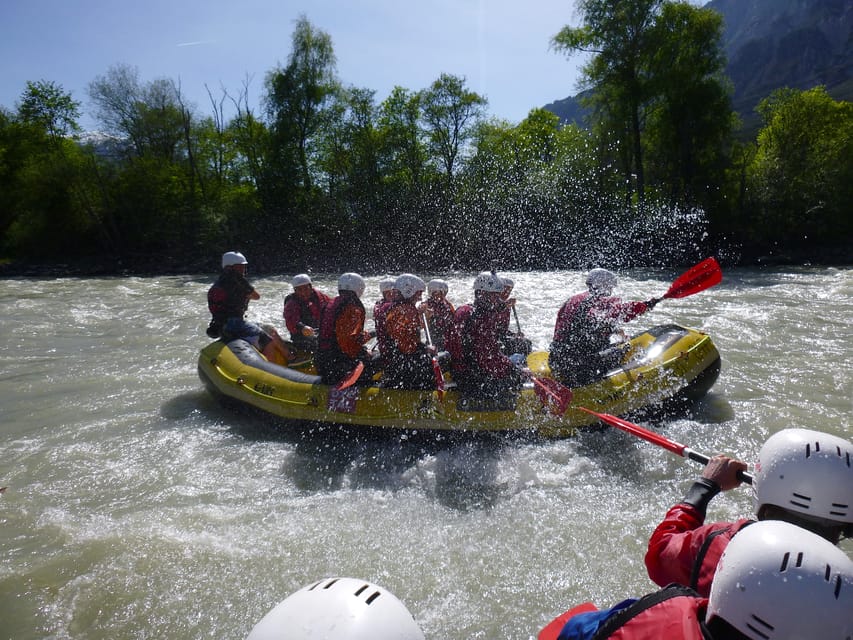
(518, 359)
(652, 302)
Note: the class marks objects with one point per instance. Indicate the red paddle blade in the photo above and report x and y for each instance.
(637, 430)
(697, 278)
(553, 628)
(553, 394)
(351, 378)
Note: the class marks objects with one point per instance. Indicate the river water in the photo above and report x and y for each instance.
(137, 507)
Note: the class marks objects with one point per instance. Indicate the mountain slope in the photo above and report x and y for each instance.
(772, 44)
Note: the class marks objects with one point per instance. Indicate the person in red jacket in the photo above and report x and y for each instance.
(380, 311)
(340, 346)
(802, 476)
(478, 365)
(408, 361)
(302, 312)
(439, 311)
(228, 300)
(581, 350)
(775, 580)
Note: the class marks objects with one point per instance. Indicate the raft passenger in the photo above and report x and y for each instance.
(340, 346)
(802, 476)
(228, 300)
(302, 312)
(581, 350)
(479, 366)
(439, 311)
(408, 360)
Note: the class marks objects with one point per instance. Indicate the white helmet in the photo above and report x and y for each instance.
(233, 257)
(351, 282)
(408, 285)
(437, 284)
(339, 609)
(776, 580)
(601, 281)
(386, 284)
(488, 281)
(300, 279)
(806, 472)
(509, 283)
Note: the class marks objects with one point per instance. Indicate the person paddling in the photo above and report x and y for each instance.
(581, 350)
(775, 580)
(801, 476)
(479, 366)
(408, 360)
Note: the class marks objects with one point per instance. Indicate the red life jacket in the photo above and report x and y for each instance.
(674, 613)
(328, 339)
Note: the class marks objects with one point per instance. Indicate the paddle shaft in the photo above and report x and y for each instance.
(436, 368)
(662, 441)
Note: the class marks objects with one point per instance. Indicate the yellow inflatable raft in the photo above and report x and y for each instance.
(665, 364)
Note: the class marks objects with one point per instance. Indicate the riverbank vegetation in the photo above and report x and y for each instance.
(331, 177)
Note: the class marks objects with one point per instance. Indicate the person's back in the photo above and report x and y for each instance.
(480, 367)
(408, 364)
(580, 351)
(340, 345)
(802, 476)
(775, 580)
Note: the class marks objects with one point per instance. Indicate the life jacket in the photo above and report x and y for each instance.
(673, 612)
(328, 339)
(705, 565)
(310, 310)
(229, 296)
(586, 331)
(458, 341)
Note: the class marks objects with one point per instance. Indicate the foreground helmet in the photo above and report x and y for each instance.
(351, 282)
(601, 281)
(488, 281)
(300, 279)
(338, 609)
(408, 285)
(776, 580)
(806, 472)
(386, 284)
(437, 284)
(233, 257)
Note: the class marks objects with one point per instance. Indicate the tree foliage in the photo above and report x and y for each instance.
(329, 177)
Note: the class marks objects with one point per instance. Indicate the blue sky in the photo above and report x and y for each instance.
(501, 47)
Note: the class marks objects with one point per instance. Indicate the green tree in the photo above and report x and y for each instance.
(403, 154)
(298, 99)
(46, 105)
(450, 114)
(690, 120)
(618, 33)
(801, 178)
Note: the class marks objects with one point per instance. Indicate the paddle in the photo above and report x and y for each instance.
(656, 438)
(697, 278)
(552, 630)
(351, 379)
(553, 394)
(436, 368)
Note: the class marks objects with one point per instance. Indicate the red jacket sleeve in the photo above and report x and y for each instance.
(675, 544)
